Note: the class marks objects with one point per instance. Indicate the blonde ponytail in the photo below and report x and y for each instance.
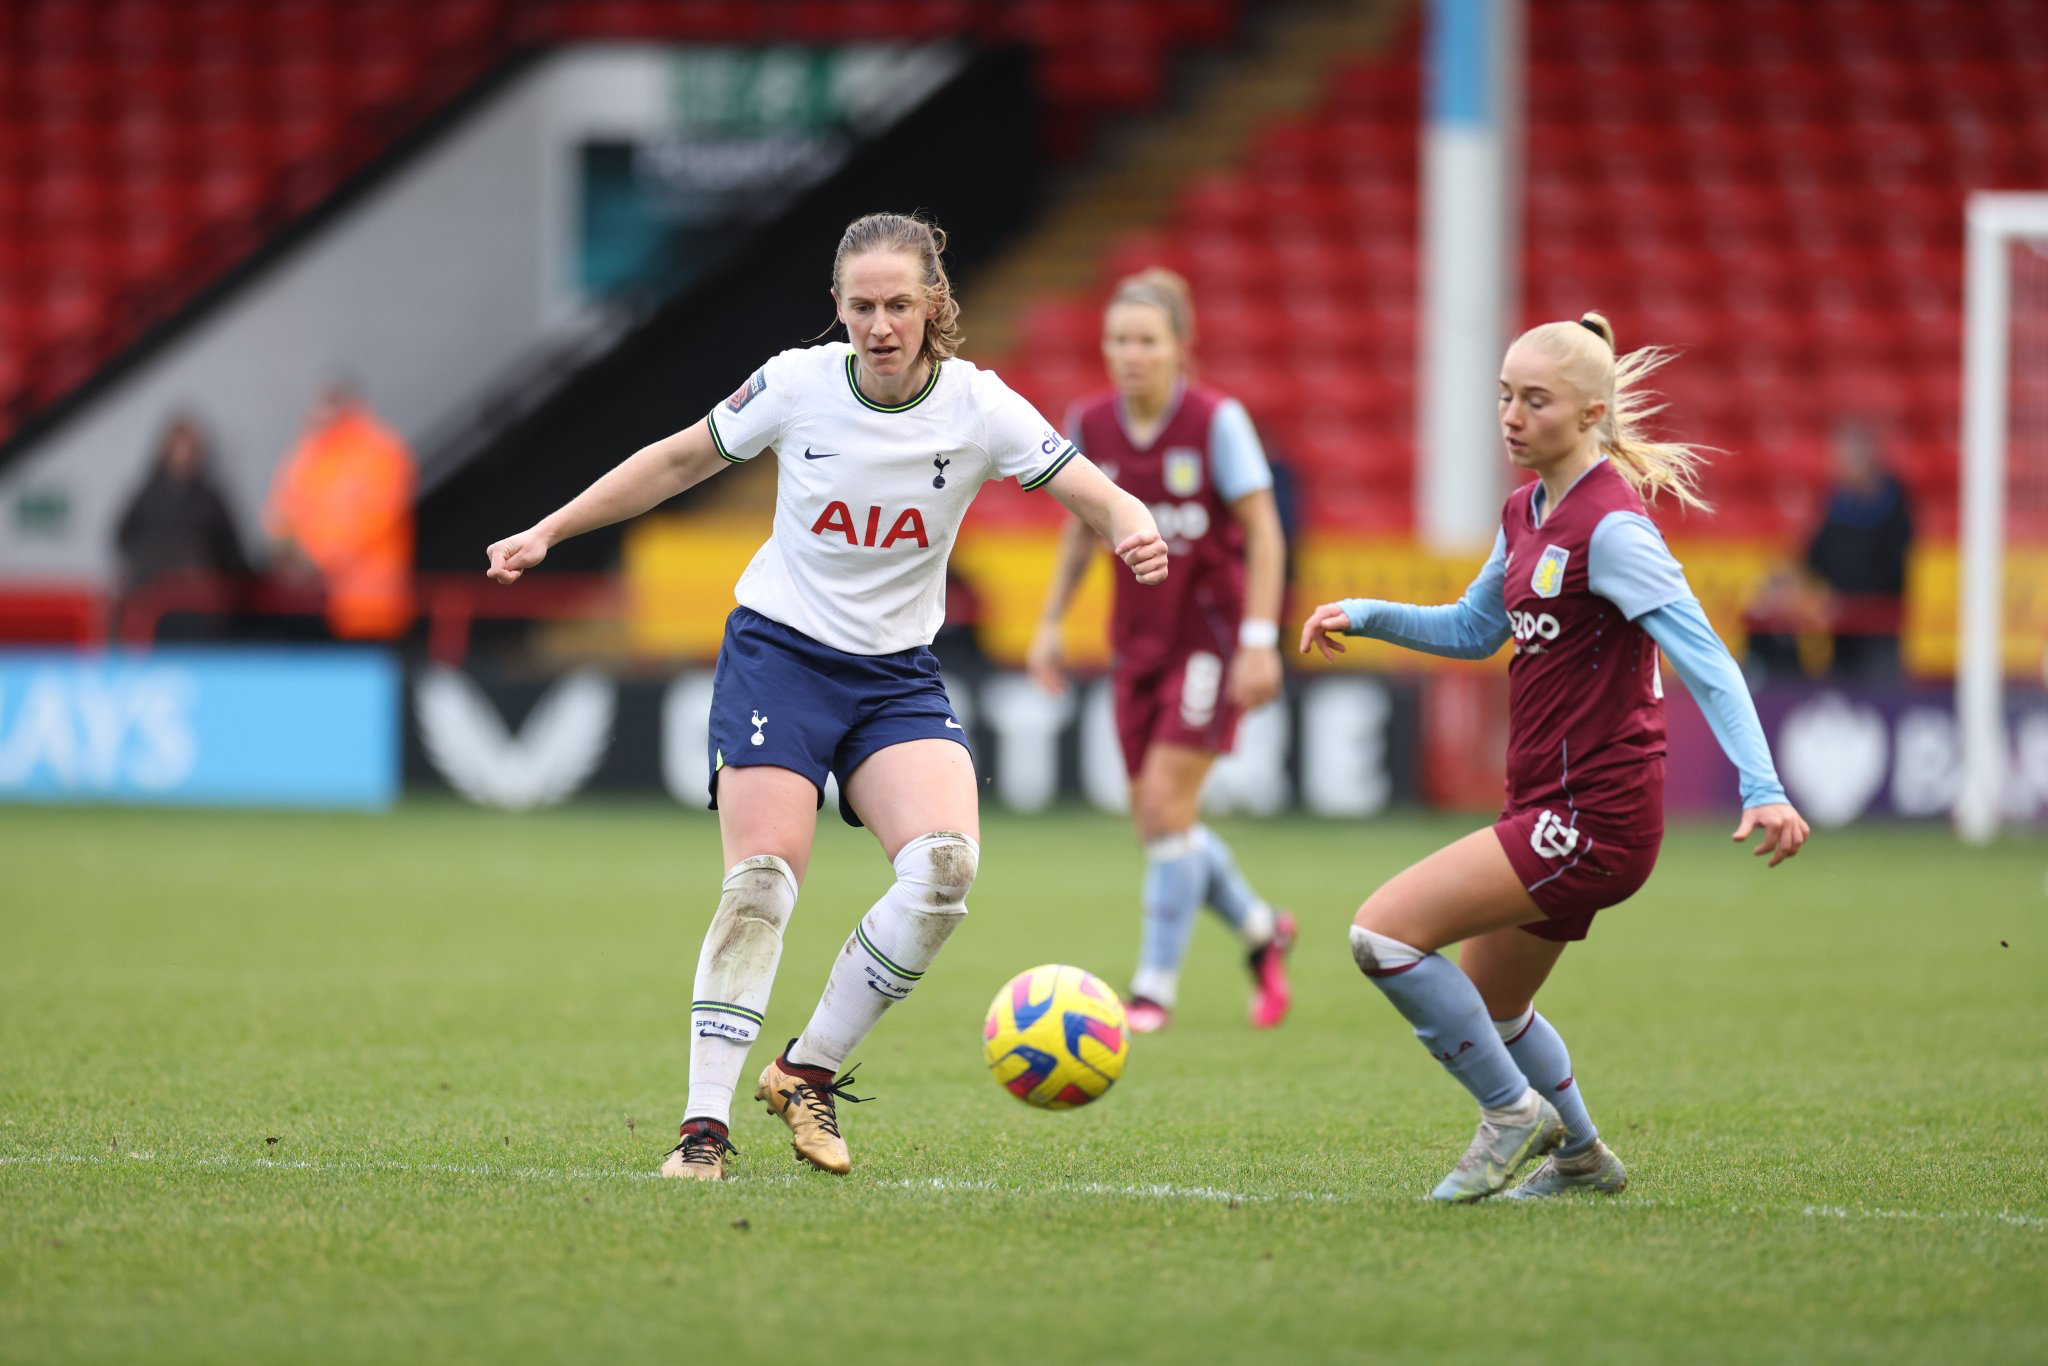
(1587, 352)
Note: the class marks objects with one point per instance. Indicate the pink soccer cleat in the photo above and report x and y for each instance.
(1271, 997)
(1146, 1016)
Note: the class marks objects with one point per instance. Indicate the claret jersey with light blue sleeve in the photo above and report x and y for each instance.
(1588, 592)
(1203, 458)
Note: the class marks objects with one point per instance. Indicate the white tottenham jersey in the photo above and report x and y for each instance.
(869, 498)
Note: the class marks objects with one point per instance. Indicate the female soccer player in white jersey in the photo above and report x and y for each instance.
(1191, 659)
(1581, 581)
(880, 445)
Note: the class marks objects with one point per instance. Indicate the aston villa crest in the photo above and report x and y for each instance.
(1183, 471)
(1548, 580)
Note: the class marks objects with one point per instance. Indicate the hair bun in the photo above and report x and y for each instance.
(1597, 324)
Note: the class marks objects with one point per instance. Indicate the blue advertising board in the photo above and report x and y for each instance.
(315, 726)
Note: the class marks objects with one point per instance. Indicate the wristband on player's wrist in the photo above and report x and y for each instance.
(1258, 635)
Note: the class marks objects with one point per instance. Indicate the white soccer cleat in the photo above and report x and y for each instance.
(1596, 1170)
(1504, 1142)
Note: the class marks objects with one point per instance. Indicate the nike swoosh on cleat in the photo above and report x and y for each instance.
(810, 454)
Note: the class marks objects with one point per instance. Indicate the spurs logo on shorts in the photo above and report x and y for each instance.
(759, 721)
(1552, 838)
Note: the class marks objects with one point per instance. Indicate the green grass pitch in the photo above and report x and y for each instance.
(321, 1088)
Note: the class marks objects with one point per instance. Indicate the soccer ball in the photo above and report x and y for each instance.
(1056, 1037)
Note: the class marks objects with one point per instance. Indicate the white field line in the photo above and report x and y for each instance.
(1195, 1194)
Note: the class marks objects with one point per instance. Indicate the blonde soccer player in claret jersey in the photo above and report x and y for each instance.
(1581, 582)
(1194, 657)
(880, 444)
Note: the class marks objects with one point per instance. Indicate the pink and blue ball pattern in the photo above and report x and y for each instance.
(1039, 1063)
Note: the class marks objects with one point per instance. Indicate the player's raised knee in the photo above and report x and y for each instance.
(1380, 955)
(941, 866)
(761, 888)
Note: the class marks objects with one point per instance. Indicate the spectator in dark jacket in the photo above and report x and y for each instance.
(177, 519)
(1860, 552)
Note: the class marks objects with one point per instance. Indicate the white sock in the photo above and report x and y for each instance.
(735, 971)
(1257, 929)
(891, 948)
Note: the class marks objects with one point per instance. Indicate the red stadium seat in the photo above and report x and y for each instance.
(1778, 188)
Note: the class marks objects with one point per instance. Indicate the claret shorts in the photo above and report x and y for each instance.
(1571, 873)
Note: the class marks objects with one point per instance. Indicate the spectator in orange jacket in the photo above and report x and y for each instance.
(342, 504)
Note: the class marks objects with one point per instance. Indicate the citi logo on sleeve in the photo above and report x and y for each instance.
(837, 518)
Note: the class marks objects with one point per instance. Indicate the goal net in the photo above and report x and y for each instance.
(2003, 612)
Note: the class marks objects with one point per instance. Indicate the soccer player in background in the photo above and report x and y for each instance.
(1193, 657)
(1581, 581)
(881, 445)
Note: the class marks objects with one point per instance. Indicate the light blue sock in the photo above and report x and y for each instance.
(1436, 996)
(1538, 1049)
(1229, 895)
(1175, 872)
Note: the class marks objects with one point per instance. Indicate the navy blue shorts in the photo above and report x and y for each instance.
(781, 699)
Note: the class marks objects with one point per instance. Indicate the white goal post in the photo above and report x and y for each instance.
(1996, 222)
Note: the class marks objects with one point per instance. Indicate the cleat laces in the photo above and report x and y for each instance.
(704, 1147)
(817, 1098)
(1486, 1150)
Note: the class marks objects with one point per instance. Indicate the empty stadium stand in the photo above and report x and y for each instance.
(1702, 170)
(149, 146)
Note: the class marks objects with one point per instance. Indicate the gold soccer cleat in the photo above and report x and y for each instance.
(701, 1154)
(804, 1099)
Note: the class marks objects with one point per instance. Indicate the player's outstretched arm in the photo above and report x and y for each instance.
(1114, 515)
(1682, 631)
(1785, 830)
(647, 477)
(1321, 629)
(1473, 627)
(1044, 659)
